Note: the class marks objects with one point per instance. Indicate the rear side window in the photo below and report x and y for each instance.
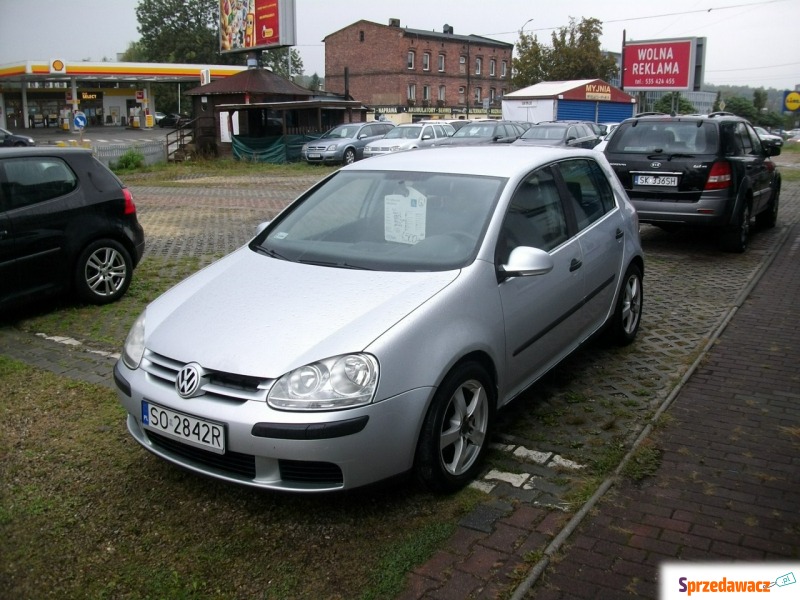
(31, 180)
(589, 191)
(669, 137)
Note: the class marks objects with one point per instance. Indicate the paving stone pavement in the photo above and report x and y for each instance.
(515, 542)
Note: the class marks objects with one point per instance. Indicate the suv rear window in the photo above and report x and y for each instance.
(670, 137)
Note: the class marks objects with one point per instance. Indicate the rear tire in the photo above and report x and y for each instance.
(768, 218)
(628, 311)
(455, 434)
(103, 272)
(736, 236)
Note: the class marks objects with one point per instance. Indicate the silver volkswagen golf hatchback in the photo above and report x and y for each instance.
(376, 325)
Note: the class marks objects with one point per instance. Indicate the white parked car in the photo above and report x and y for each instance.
(376, 324)
(407, 137)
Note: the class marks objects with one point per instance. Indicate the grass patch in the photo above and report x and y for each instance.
(87, 513)
(644, 462)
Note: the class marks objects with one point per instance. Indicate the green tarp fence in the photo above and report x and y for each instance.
(276, 150)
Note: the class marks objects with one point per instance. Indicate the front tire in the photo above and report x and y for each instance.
(628, 312)
(455, 434)
(103, 272)
(349, 156)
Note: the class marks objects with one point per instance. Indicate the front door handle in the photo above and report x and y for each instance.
(575, 264)
(620, 233)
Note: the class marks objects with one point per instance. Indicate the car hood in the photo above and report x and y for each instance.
(537, 142)
(256, 315)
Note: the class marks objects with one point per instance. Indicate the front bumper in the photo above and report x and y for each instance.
(288, 451)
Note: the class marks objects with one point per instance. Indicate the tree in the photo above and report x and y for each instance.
(574, 54)
(674, 102)
(276, 61)
(760, 99)
(181, 31)
(742, 107)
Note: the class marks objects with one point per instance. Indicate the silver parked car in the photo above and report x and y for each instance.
(375, 325)
(409, 136)
(344, 144)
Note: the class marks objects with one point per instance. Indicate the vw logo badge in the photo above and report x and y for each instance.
(187, 383)
(655, 165)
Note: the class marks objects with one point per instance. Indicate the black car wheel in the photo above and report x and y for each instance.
(768, 218)
(455, 434)
(736, 236)
(103, 272)
(349, 156)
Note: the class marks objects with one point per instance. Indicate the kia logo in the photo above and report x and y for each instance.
(655, 165)
(187, 383)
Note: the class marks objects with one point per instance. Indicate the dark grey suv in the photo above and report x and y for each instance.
(67, 223)
(698, 170)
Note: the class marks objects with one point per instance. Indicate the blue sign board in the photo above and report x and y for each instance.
(79, 120)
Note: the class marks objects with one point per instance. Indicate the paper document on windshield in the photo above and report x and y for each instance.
(404, 219)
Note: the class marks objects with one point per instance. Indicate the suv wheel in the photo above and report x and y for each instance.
(103, 272)
(735, 237)
(767, 219)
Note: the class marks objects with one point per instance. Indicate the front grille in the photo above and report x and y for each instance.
(226, 386)
(310, 472)
(230, 462)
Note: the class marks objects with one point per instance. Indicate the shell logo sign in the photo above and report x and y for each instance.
(58, 66)
(791, 101)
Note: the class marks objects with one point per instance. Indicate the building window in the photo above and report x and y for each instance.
(492, 67)
(441, 93)
(441, 63)
(492, 94)
(477, 95)
(412, 91)
(503, 68)
(462, 64)
(426, 61)
(426, 92)
(410, 59)
(478, 64)
(360, 36)
(461, 95)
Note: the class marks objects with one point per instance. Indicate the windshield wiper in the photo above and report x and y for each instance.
(269, 252)
(669, 156)
(337, 265)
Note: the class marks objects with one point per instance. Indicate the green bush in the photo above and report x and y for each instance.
(130, 161)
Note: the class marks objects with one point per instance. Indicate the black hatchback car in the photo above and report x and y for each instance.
(67, 223)
(698, 170)
(559, 133)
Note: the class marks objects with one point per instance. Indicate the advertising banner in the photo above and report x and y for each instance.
(661, 65)
(246, 25)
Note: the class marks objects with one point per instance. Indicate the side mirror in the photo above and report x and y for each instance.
(525, 261)
(262, 226)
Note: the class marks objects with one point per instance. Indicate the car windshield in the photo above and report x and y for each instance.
(403, 133)
(668, 137)
(545, 132)
(476, 130)
(342, 132)
(386, 221)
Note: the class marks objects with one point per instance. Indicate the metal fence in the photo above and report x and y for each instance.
(153, 152)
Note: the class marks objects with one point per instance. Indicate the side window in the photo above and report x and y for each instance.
(747, 144)
(32, 180)
(755, 141)
(590, 194)
(535, 216)
(439, 131)
(427, 132)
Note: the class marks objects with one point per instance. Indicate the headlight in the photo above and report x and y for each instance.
(396, 148)
(338, 382)
(133, 350)
(332, 147)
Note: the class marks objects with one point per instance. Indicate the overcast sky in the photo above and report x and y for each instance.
(749, 43)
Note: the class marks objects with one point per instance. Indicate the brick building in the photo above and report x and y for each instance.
(400, 71)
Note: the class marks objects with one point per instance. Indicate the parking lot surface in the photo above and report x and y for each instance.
(712, 350)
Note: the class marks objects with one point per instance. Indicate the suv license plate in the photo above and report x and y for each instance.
(184, 428)
(665, 180)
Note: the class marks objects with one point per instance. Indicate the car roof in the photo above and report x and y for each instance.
(43, 151)
(493, 161)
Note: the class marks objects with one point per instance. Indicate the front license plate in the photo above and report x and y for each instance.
(665, 180)
(185, 428)
(315, 156)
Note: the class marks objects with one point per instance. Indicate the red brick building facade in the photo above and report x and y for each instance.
(395, 69)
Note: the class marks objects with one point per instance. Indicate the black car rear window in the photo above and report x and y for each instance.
(691, 137)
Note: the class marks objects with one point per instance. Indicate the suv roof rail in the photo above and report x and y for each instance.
(650, 114)
(721, 113)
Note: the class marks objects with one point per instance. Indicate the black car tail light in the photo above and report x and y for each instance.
(130, 207)
(720, 177)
